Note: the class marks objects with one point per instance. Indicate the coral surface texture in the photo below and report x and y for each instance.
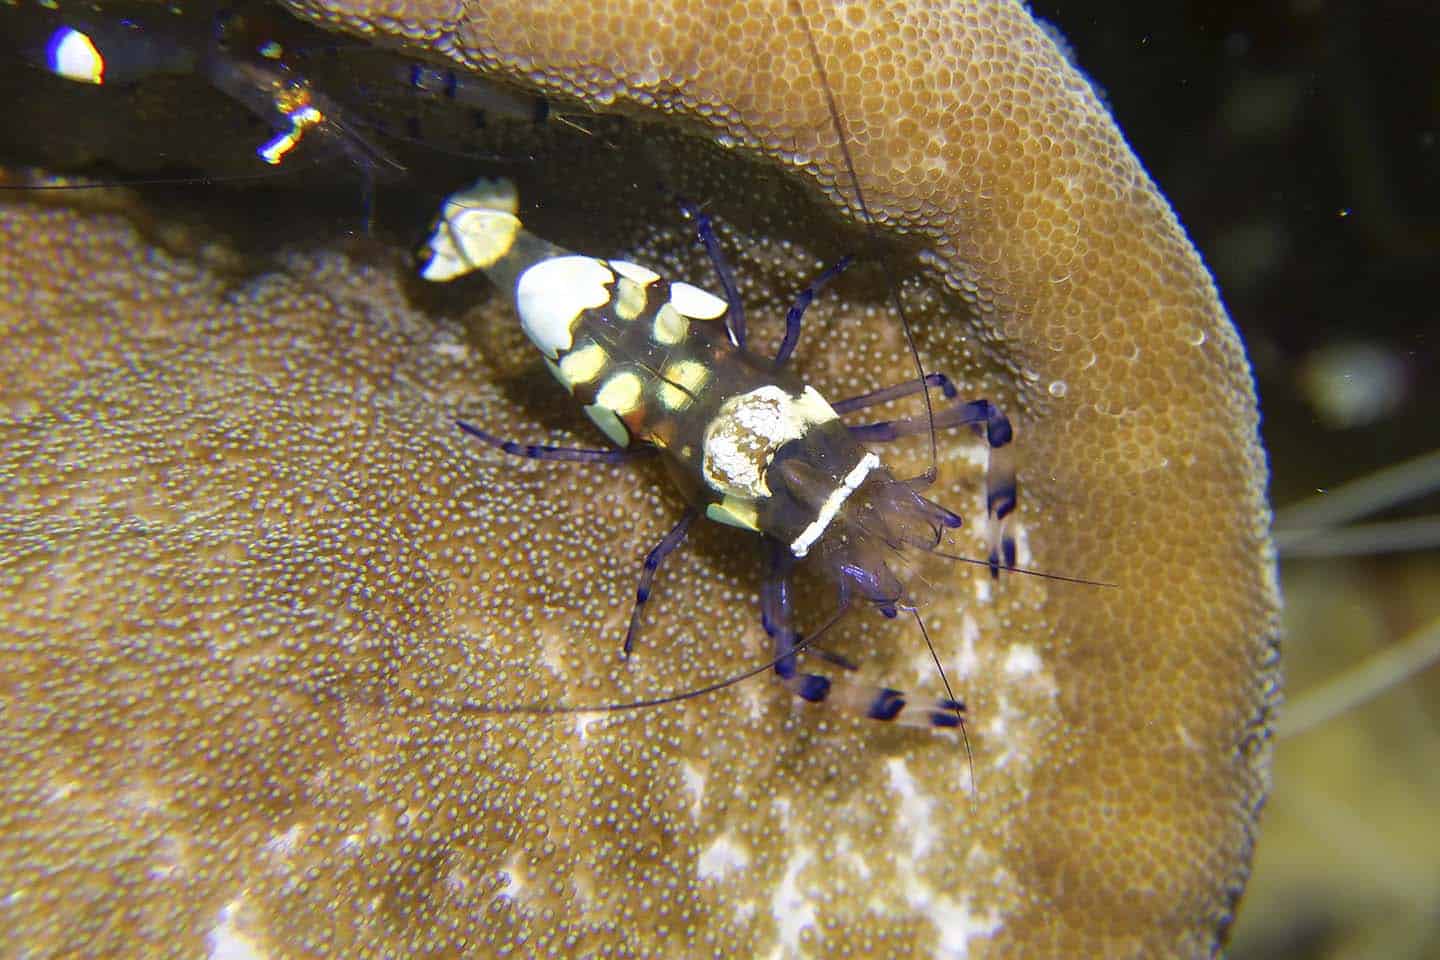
(253, 581)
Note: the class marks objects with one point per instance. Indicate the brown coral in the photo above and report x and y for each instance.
(249, 567)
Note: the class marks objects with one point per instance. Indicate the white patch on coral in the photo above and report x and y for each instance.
(722, 856)
(284, 844)
(514, 879)
(451, 350)
(62, 790)
(915, 814)
(792, 912)
(695, 785)
(1005, 717)
(844, 850)
(226, 941)
(583, 723)
(958, 925)
(757, 697)
(1022, 660)
(171, 856)
(968, 662)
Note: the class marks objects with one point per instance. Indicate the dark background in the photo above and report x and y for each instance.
(1300, 144)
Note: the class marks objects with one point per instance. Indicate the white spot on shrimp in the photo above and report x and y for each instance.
(477, 227)
(683, 379)
(621, 394)
(583, 364)
(670, 327)
(742, 439)
(611, 425)
(634, 271)
(551, 295)
(694, 302)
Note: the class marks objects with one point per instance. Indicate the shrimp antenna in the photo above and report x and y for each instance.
(949, 695)
(1027, 571)
(165, 181)
(545, 709)
(838, 119)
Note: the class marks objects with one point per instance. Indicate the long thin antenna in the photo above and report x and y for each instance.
(159, 181)
(894, 288)
(949, 695)
(958, 558)
(546, 709)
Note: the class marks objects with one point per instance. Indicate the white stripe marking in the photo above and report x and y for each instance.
(832, 504)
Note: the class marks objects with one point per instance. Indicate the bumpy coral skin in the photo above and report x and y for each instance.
(249, 568)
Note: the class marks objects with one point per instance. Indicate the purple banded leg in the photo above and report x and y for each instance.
(897, 392)
(1001, 492)
(775, 608)
(653, 559)
(735, 312)
(535, 451)
(875, 703)
(802, 303)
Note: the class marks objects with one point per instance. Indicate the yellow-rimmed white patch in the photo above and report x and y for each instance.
(802, 544)
(72, 54)
(735, 513)
(630, 291)
(476, 228)
(551, 295)
(694, 302)
(682, 380)
(604, 418)
(671, 327)
(630, 299)
(621, 393)
(742, 439)
(634, 271)
(583, 364)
